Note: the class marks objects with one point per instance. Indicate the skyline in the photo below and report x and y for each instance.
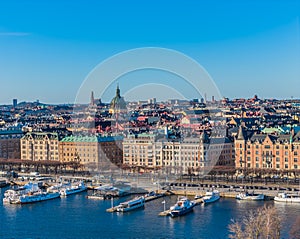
(248, 48)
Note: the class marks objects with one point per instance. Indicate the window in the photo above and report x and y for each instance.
(277, 166)
(267, 146)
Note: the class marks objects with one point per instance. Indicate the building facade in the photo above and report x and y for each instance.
(267, 151)
(10, 143)
(95, 152)
(190, 154)
(40, 146)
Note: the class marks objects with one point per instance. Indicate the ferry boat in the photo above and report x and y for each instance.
(36, 197)
(210, 197)
(250, 196)
(13, 195)
(182, 207)
(290, 198)
(72, 189)
(133, 204)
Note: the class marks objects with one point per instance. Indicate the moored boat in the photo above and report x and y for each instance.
(13, 195)
(211, 196)
(250, 196)
(72, 189)
(133, 204)
(289, 198)
(36, 197)
(182, 207)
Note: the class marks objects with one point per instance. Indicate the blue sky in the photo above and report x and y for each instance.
(47, 48)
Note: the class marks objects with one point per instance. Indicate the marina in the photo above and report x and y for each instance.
(90, 218)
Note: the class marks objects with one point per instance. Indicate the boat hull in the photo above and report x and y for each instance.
(250, 197)
(68, 192)
(131, 205)
(287, 200)
(130, 208)
(178, 213)
(26, 199)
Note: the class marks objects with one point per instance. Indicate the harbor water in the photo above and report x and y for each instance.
(78, 217)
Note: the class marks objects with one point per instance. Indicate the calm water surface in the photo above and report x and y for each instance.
(78, 217)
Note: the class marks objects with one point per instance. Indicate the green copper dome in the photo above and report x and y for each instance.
(118, 102)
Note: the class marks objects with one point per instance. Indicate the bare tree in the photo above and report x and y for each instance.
(295, 229)
(263, 223)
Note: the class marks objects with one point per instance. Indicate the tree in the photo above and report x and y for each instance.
(259, 224)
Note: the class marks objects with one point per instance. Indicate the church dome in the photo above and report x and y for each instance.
(118, 102)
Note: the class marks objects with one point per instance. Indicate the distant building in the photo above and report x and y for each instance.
(267, 151)
(40, 146)
(10, 143)
(15, 103)
(95, 152)
(177, 156)
(139, 150)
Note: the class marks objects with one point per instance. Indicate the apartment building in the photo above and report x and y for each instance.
(189, 154)
(39, 146)
(93, 151)
(272, 151)
(10, 143)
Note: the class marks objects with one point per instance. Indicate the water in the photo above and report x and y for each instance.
(79, 217)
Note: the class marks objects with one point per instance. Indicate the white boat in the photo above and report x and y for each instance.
(117, 190)
(211, 196)
(29, 193)
(182, 207)
(36, 197)
(198, 197)
(96, 196)
(13, 195)
(133, 204)
(250, 196)
(73, 188)
(284, 197)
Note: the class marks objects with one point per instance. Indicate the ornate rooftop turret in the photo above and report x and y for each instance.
(241, 134)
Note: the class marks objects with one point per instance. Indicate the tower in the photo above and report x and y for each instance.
(15, 103)
(240, 148)
(92, 102)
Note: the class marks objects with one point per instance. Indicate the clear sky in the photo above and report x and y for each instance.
(48, 47)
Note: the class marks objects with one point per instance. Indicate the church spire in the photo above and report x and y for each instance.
(92, 102)
(118, 94)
